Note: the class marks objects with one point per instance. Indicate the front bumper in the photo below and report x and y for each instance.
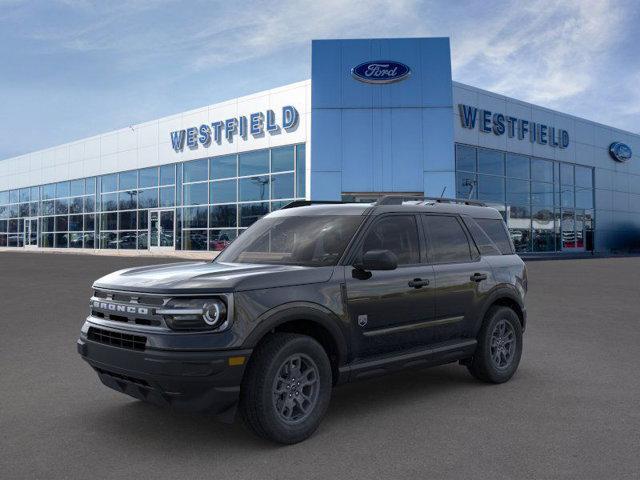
(196, 381)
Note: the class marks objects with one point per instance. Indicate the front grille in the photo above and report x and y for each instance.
(117, 339)
(130, 297)
(129, 308)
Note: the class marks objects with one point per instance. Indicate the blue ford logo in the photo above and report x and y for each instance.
(620, 151)
(380, 71)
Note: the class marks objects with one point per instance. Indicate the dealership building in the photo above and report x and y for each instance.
(378, 117)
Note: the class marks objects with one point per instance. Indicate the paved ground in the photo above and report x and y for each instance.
(572, 411)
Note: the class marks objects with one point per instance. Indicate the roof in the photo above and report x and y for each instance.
(426, 206)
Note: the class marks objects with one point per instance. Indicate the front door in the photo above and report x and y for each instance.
(391, 309)
(162, 229)
(30, 232)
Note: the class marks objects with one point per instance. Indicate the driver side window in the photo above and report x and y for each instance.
(398, 234)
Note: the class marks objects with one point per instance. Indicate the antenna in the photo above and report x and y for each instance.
(443, 190)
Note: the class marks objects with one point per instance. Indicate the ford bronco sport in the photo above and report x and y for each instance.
(308, 297)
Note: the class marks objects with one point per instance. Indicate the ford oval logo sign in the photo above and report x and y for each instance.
(620, 151)
(380, 71)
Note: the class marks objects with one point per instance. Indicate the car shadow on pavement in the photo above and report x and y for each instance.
(148, 425)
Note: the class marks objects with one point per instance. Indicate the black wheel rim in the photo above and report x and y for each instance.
(503, 344)
(295, 388)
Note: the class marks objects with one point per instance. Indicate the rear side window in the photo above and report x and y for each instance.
(484, 243)
(497, 232)
(397, 233)
(447, 240)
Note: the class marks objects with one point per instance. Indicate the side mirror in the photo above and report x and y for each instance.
(379, 260)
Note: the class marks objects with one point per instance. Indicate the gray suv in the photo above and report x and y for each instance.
(311, 296)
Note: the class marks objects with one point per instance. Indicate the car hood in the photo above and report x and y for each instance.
(203, 277)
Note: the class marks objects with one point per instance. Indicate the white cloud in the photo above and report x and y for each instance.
(545, 52)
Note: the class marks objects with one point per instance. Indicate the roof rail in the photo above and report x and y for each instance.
(306, 203)
(399, 199)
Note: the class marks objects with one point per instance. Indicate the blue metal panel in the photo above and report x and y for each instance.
(437, 134)
(381, 136)
(437, 184)
(326, 130)
(326, 185)
(405, 156)
(358, 152)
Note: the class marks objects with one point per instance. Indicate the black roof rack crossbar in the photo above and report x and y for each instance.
(399, 199)
(306, 203)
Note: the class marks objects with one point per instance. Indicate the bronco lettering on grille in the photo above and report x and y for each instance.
(115, 307)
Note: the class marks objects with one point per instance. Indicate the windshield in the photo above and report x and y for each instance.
(313, 241)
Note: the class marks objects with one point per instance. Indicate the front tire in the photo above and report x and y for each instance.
(499, 349)
(287, 388)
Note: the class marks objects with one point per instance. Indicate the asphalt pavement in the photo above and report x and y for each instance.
(571, 411)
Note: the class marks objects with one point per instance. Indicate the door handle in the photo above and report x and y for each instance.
(418, 283)
(478, 277)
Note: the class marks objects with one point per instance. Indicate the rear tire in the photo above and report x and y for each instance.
(287, 388)
(499, 349)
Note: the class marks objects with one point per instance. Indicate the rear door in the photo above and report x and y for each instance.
(390, 310)
(462, 276)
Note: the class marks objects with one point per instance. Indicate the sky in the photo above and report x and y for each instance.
(70, 69)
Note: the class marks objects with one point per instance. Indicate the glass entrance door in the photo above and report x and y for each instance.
(30, 231)
(162, 229)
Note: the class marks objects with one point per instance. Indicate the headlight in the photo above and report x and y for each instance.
(195, 314)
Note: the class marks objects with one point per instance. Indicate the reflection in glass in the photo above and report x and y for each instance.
(282, 186)
(568, 227)
(541, 193)
(196, 194)
(282, 159)
(62, 240)
(301, 171)
(148, 177)
(517, 166)
(128, 240)
(148, 198)
(490, 161)
(108, 240)
(566, 174)
(167, 195)
(254, 188)
(491, 188)
(543, 229)
(195, 239)
(223, 167)
(75, 240)
(519, 223)
(224, 191)
(128, 180)
(89, 240)
(195, 170)
(223, 216)
(109, 183)
(128, 200)
(254, 163)
(251, 212)
(466, 185)
(168, 175)
(465, 158)
(195, 217)
(517, 191)
(220, 239)
(541, 170)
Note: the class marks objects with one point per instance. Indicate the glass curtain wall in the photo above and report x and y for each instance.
(211, 200)
(548, 205)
